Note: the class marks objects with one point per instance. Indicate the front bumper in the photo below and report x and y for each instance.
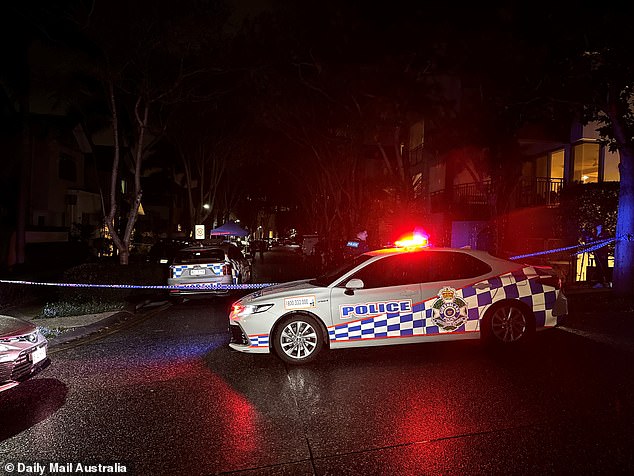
(241, 342)
(22, 367)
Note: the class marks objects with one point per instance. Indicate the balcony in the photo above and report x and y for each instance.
(540, 191)
(471, 197)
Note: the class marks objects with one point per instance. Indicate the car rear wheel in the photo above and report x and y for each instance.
(507, 323)
(298, 339)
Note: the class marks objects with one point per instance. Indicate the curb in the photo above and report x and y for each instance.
(84, 331)
(109, 321)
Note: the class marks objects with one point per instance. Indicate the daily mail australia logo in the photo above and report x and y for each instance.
(349, 311)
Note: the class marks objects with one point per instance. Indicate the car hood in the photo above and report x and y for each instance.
(282, 289)
(12, 326)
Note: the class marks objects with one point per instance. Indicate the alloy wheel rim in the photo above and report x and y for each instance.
(508, 324)
(298, 340)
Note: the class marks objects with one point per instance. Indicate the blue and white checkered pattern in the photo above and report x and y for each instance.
(261, 340)
(522, 284)
(177, 270)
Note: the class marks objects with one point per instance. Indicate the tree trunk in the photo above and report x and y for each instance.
(623, 273)
(142, 120)
(623, 277)
(110, 219)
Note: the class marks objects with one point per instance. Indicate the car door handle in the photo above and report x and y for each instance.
(481, 286)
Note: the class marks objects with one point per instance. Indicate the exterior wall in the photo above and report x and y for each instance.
(48, 190)
(455, 216)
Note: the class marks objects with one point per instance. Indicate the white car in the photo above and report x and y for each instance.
(23, 351)
(206, 268)
(399, 296)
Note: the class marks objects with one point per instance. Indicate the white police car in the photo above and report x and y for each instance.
(399, 296)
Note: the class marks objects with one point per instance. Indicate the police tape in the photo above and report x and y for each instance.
(581, 248)
(196, 286)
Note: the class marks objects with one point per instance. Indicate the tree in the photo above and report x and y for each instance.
(146, 68)
(343, 89)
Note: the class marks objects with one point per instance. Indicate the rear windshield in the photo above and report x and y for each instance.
(200, 256)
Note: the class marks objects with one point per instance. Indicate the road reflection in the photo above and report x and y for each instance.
(29, 403)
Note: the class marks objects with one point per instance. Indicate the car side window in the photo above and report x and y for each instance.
(396, 270)
(451, 265)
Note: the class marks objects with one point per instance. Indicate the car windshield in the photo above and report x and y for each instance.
(332, 275)
(200, 256)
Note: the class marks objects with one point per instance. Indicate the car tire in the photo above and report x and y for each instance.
(507, 324)
(298, 339)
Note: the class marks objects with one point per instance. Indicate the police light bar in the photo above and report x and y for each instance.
(415, 240)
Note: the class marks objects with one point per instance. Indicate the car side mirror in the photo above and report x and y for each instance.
(353, 284)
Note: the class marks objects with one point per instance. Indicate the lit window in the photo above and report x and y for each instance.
(557, 164)
(586, 163)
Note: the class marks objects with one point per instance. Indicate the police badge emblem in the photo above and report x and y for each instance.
(450, 311)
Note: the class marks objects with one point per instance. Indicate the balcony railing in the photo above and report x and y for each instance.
(540, 191)
(530, 192)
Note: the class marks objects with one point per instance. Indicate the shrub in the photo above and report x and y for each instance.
(110, 273)
(65, 308)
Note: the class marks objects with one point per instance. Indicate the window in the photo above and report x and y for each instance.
(200, 256)
(548, 166)
(557, 164)
(396, 270)
(450, 265)
(586, 163)
(421, 267)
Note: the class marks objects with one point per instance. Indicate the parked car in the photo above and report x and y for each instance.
(23, 351)
(200, 269)
(399, 296)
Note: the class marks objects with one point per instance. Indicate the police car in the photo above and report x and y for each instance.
(207, 268)
(399, 296)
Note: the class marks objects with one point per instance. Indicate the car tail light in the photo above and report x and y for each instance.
(226, 270)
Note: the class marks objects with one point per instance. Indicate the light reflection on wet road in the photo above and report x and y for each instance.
(168, 397)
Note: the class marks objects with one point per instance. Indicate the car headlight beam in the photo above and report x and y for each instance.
(240, 310)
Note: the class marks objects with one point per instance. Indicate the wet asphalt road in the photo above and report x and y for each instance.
(166, 396)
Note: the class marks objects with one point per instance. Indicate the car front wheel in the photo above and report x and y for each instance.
(298, 339)
(507, 323)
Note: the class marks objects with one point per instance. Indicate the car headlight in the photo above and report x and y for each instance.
(241, 310)
(5, 357)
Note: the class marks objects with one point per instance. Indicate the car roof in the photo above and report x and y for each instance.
(483, 255)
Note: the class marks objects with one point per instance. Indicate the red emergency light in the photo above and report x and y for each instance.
(414, 240)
